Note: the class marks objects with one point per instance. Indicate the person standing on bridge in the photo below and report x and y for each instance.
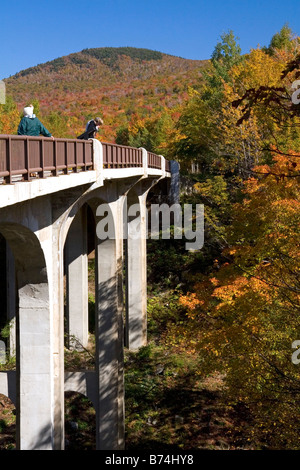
(91, 129)
(31, 125)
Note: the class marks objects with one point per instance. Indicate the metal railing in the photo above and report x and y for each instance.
(119, 156)
(27, 157)
(23, 158)
(154, 161)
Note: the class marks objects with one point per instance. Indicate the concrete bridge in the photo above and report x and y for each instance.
(53, 196)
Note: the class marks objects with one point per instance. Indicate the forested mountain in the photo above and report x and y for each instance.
(112, 82)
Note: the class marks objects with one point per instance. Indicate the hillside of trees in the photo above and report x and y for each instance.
(219, 371)
(119, 84)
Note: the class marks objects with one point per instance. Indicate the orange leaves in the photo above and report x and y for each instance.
(228, 293)
(214, 281)
(190, 302)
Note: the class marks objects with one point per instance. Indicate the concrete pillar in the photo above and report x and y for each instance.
(35, 377)
(107, 345)
(109, 339)
(77, 281)
(56, 282)
(3, 282)
(34, 341)
(174, 193)
(11, 299)
(136, 274)
(8, 294)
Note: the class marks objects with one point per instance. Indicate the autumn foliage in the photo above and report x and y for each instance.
(242, 311)
(231, 124)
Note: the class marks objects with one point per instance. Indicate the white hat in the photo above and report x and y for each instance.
(28, 110)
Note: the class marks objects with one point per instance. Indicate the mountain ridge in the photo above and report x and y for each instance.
(113, 82)
(106, 55)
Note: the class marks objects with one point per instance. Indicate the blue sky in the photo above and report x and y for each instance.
(38, 31)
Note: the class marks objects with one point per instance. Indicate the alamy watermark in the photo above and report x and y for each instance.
(2, 92)
(296, 93)
(159, 222)
(296, 354)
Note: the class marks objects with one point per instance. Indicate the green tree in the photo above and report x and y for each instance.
(199, 127)
(281, 40)
(226, 54)
(58, 123)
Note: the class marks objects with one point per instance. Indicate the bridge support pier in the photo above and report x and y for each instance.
(76, 263)
(11, 299)
(109, 337)
(34, 378)
(136, 264)
(136, 274)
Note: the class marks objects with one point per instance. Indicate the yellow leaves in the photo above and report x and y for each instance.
(191, 302)
(9, 121)
(197, 187)
(135, 126)
(228, 293)
(192, 92)
(177, 136)
(259, 69)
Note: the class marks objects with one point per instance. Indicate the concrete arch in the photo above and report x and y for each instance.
(91, 198)
(34, 347)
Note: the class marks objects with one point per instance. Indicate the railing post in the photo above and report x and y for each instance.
(145, 161)
(9, 160)
(66, 158)
(98, 160)
(76, 159)
(43, 158)
(163, 165)
(55, 156)
(27, 162)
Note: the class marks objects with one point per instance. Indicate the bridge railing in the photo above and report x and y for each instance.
(23, 158)
(119, 156)
(154, 161)
(29, 157)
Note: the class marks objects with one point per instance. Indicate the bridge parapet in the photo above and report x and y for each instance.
(25, 158)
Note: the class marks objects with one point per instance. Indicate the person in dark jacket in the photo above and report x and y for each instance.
(31, 125)
(92, 128)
